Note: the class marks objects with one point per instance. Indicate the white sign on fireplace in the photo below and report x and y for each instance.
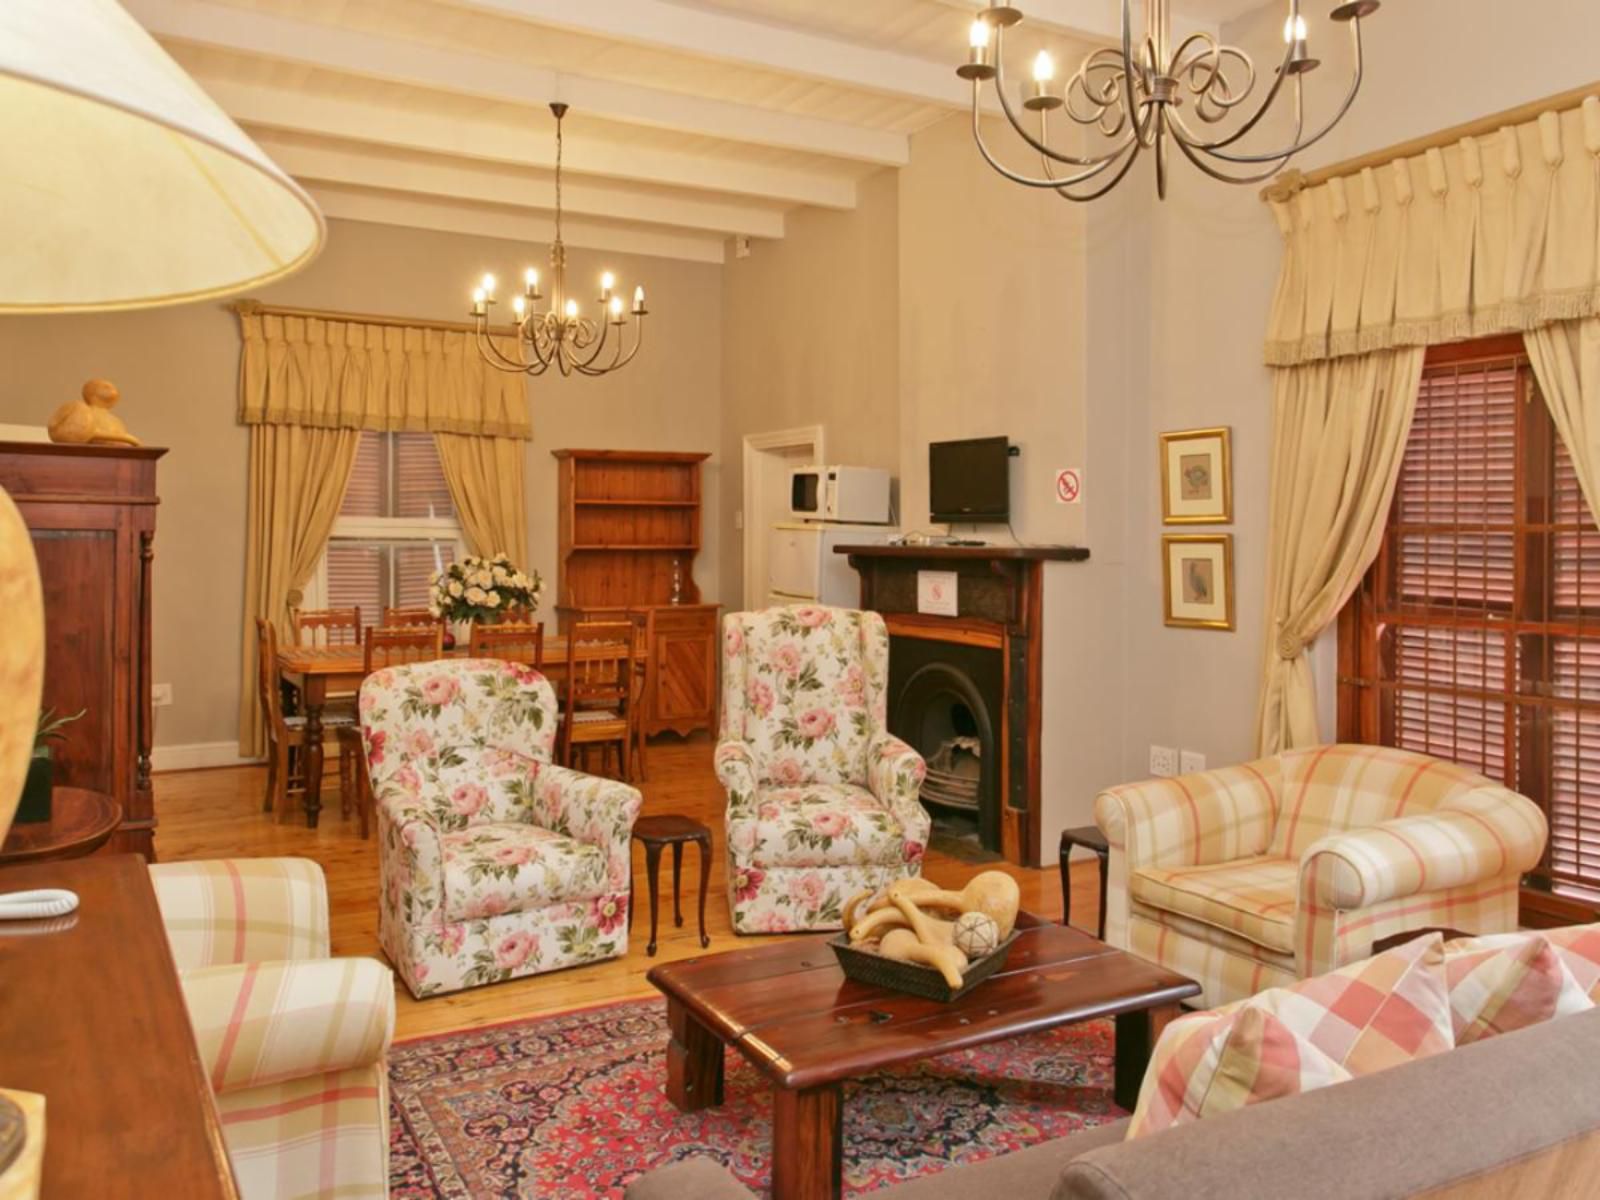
(936, 593)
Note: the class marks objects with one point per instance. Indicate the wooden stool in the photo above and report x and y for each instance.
(671, 830)
(1090, 838)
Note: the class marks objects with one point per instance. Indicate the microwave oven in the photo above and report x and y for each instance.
(859, 495)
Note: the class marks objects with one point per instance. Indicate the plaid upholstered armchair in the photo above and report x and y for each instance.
(493, 862)
(294, 1042)
(822, 799)
(1256, 875)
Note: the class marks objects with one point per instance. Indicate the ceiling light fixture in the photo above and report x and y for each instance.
(1132, 95)
(560, 336)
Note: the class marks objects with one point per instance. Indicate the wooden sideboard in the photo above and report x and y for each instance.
(92, 513)
(92, 1017)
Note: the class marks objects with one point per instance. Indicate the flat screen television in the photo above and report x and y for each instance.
(970, 481)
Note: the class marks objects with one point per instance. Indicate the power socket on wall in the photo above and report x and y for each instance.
(1191, 761)
(1163, 762)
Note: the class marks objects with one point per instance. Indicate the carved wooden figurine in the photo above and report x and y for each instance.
(90, 420)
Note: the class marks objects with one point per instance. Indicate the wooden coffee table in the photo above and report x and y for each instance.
(789, 1009)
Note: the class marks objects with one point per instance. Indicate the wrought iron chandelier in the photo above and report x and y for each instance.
(561, 336)
(1131, 95)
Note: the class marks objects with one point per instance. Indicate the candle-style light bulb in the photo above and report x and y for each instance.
(531, 278)
(1044, 67)
(638, 299)
(479, 307)
(488, 285)
(1294, 29)
(616, 309)
(607, 282)
(978, 36)
(519, 306)
(572, 310)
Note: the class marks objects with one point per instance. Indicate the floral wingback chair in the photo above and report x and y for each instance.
(494, 863)
(822, 800)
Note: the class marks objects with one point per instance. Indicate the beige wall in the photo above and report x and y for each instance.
(809, 338)
(177, 370)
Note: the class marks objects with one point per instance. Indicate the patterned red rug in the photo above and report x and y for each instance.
(571, 1106)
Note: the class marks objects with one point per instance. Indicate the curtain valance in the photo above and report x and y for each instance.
(351, 374)
(1499, 233)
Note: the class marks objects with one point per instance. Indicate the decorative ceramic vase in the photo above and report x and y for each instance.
(21, 656)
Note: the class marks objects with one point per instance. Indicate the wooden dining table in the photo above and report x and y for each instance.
(323, 670)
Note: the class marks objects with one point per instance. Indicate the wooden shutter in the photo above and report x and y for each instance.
(358, 574)
(420, 489)
(365, 494)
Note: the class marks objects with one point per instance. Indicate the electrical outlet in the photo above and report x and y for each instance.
(1163, 761)
(1191, 762)
(160, 694)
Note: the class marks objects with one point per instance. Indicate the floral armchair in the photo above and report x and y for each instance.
(1257, 875)
(822, 799)
(494, 863)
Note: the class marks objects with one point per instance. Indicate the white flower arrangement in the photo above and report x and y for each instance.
(483, 589)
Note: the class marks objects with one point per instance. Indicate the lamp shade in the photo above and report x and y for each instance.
(122, 184)
(21, 656)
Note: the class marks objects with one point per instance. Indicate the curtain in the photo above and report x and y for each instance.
(1490, 235)
(332, 374)
(484, 475)
(297, 481)
(1339, 433)
(1566, 360)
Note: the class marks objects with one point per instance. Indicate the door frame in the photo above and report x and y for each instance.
(760, 457)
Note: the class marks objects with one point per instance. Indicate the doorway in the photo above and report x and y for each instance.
(768, 459)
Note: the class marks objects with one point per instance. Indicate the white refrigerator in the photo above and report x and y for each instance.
(802, 567)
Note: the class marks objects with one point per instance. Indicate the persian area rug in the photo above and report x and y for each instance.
(572, 1106)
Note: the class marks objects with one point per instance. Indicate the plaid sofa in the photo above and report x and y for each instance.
(822, 799)
(295, 1042)
(1256, 875)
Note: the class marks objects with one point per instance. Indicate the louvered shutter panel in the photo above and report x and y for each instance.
(357, 574)
(364, 494)
(420, 489)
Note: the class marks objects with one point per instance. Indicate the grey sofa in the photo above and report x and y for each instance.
(1511, 1116)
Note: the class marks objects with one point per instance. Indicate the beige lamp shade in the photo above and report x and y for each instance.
(21, 656)
(122, 184)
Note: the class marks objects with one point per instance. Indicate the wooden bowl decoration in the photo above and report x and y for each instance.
(917, 937)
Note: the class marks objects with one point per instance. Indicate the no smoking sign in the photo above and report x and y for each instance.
(1069, 485)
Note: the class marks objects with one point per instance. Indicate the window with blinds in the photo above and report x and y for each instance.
(1476, 634)
(397, 526)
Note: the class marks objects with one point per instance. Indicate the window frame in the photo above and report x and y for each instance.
(1530, 626)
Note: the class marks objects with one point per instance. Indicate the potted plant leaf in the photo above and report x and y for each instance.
(34, 807)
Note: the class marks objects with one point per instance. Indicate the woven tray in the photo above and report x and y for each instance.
(870, 967)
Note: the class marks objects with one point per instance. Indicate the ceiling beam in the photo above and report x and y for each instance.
(419, 64)
(414, 129)
(705, 33)
(385, 208)
(444, 179)
(1097, 21)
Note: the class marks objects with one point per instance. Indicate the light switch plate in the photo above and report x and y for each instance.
(160, 695)
(1163, 762)
(1191, 761)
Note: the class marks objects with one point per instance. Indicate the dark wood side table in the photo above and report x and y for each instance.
(1090, 838)
(671, 830)
(80, 823)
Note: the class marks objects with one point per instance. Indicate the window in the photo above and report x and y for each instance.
(397, 526)
(1476, 634)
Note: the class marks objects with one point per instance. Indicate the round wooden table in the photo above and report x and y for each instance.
(80, 823)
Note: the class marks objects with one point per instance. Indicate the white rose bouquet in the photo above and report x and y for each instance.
(485, 590)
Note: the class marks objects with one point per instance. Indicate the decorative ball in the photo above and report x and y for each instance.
(976, 934)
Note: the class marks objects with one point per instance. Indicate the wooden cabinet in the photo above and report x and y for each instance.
(629, 533)
(92, 512)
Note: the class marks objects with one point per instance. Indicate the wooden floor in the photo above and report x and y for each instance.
(215, 814)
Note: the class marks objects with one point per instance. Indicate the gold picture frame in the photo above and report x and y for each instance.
(1197, 476)
(1200, 567)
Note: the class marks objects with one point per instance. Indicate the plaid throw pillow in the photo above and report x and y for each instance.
(1579, 949)
(1507, 981)
(1364, 1017)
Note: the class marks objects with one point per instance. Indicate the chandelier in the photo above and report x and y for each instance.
(1132, 97)
(561, 336)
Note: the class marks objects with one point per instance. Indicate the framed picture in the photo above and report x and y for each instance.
(1196, 477)
(1197, 580)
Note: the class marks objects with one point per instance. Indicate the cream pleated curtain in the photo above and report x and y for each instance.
(308, 387)
(1492, 234)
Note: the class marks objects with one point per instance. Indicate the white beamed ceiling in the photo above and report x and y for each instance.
(690, 123)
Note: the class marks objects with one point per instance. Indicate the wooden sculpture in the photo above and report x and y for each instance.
(90, 420)
(915, 920)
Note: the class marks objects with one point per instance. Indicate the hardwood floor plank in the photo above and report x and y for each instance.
(217, 814)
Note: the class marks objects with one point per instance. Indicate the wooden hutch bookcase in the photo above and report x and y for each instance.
(629, 527)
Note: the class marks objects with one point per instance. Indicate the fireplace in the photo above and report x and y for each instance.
(965, 689)
(945, 701)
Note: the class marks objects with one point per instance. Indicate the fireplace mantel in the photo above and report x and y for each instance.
(999, 594)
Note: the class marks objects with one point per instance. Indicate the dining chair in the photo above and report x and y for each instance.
(383, 646)
(285, 734)
(518, 642)
(644, 619)
(326, 626)
(599, 690)
(408, 616)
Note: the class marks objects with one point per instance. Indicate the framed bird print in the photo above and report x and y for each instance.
(1197, 580)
